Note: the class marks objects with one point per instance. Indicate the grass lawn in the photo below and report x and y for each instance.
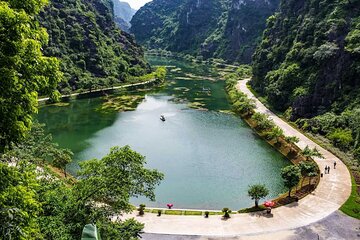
(173, 212)
(193, 213)
(352, 206)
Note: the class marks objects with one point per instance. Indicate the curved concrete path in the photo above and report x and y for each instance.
(332, 191)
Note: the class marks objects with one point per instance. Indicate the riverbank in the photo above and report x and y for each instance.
(102, 91)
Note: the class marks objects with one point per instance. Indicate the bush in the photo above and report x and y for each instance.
(141, 209)
(226, 212)
(341, 138)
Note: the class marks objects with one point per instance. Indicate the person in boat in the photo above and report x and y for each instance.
(162, 118)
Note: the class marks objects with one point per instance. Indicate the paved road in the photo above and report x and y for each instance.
(332, 191)
(336, 226)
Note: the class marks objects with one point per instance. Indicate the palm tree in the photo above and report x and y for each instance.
(308, 153)
(262, 121)
(275, 133)
(291, 141)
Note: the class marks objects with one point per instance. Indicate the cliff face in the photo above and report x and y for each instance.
(228, 29)
(309, 57)
(123, 14)
(241, 31)
(92, 49)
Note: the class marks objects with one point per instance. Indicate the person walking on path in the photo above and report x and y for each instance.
(334, 164)
(326, 169)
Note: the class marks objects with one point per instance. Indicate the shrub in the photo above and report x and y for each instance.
(262, 121)
(226, 212)
(141, 209)
(341, 138)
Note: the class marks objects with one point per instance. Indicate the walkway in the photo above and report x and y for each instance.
(332, 191)
(336, 226)
(104, 89)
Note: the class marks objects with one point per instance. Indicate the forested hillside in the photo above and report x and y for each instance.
(92, 49)
(308, 63)
(309, 57)
(228, 29)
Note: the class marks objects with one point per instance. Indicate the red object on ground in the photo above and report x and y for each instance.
(269, 204)
(169, 205)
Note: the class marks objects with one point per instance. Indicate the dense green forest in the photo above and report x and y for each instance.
(92, 49)
(228, 29)
(308, 64)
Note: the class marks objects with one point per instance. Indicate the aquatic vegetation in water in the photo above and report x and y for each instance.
(197, 105)
(183, 89)
(227, 112)
(175, 70)
(121, 103)
(60, 104)
(176, 99)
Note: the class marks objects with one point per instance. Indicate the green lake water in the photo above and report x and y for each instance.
(209, 158)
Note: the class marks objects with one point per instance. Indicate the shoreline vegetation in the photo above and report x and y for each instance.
(267, 130)
(352, 205)
(217, 62)
(148, 80)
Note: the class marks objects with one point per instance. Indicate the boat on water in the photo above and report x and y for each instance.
(162, 118)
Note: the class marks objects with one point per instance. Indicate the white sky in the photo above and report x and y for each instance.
(136, 4)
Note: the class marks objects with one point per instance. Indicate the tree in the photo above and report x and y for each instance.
(308, 153)
(115, 178)
(291, 176)
(62, 157)
(257, 192)
(292, 140)
(243, 104)
(262, 121)
(275, 133)
(341, 138)
(307, 169)
(19, 206)
(24, 70)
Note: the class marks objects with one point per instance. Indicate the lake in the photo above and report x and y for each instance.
(209, 156)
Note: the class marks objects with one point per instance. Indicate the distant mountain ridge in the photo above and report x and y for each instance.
(123, 14)
(228, 29)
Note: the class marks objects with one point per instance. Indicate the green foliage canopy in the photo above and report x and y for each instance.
(291, 176)
(24, 70)
(257, 192)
